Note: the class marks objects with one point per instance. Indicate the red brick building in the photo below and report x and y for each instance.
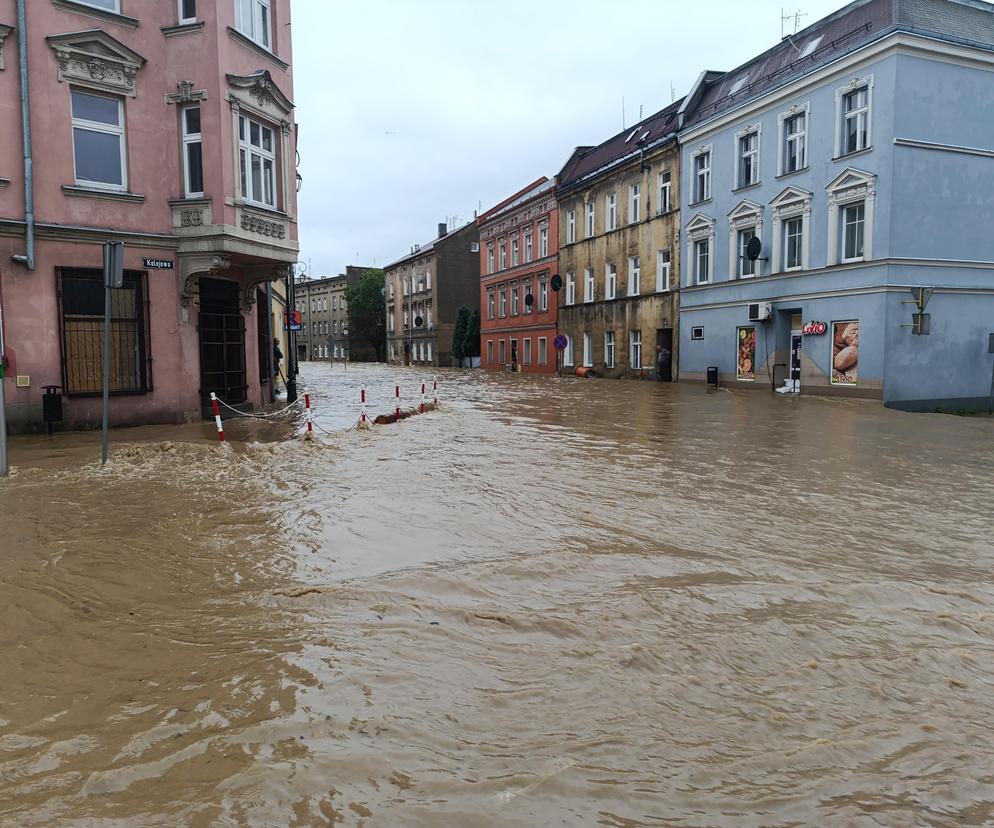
(519, 256)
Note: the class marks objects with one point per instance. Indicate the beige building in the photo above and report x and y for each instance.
(324, 316)
(619, 251)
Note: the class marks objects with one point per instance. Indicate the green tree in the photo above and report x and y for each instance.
(368, 312)
(459, 334)
(471, 346)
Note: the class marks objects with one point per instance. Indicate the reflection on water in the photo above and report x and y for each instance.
(551, 602)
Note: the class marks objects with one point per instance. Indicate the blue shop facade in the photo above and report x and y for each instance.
(860, 154)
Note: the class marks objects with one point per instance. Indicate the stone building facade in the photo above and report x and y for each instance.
(619, 252)
(429, 286)
(324, 333)
(519, 257)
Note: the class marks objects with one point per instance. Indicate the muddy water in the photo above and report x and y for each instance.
(551, 602)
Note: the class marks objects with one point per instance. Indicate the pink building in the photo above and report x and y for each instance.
(168, 125)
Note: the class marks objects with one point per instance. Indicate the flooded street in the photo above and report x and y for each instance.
(550, 602)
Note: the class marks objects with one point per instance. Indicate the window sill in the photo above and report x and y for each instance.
(699, 203)
(112, 195)
(846, 156)
(798, 171)
(183, 28)
(4, 182)
(747, 187)
(262, 51)
(100, 14)
(262, 208)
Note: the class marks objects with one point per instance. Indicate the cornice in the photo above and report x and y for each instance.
(248, 43)
(96, 59)
(96, 235)
(110, 195)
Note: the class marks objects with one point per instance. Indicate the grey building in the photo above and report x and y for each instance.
(324, 333)
(859, 153)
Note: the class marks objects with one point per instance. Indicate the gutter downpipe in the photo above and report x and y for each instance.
(29, 197)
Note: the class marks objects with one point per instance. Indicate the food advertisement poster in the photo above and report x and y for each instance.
(746, 362)
(845, 352)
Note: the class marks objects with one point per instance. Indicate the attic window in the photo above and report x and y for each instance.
(811, 46)
(645, 135)
(634, 132)
(738, 84)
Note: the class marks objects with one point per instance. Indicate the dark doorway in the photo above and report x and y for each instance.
(664, 340)
(264, 338)
(795, 360)
(222, 343)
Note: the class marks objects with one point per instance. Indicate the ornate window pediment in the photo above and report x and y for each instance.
(700, 226)
(790, 197)
(852, 184)
(745, 212)
(97, 60)
(261, 91)
(4, 31)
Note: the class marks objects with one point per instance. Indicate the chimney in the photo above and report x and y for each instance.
(443, 228)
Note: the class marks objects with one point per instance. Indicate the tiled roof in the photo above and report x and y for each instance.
(853, 26)
(427, 247)
(645, 134)
(531, 191)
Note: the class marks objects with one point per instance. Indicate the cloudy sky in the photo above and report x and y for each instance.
(413, 112)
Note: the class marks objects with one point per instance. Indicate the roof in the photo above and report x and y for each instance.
(429, 246)
(591, 161)
(534, 189)
(851, 27)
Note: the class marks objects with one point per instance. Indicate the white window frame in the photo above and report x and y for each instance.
(246, 149)
(787, 266)
(841, 117)
(610, 281)
(568, 353)
(610, 358)
(543, 242)
(791, 203)
(490, 352)
(665, 193)
(490, 257)
(543, 351)
(190, 138)
(664, 270)
(502, 351)
(843, 215)
(850, 186)
(491, 303)
(570, 226)
(635, 346)
(96, 5)
(588, 284)
(514, 251)
(588, 349)
(634, 275)
(700, 228)
(526, 351)
(107, 129)
(502, 302)
(259, 26)
(502, 254)
(570, 288)
(183, 20)
(611, 214)
(746, 215)
(702, 176)
(752, 131)
(515, 300)
(528, 245)
(634, 203)
(590, 220)
(543, 295)
(801, 137)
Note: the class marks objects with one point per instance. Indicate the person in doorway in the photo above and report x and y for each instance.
(277, 359)
(664, 364)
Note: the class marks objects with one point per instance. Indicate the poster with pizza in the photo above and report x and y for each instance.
(845, 352)
(746, 360)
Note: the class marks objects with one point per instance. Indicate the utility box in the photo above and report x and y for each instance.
(51, 405)
(713, 376)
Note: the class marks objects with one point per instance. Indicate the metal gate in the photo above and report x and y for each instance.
(222, 344)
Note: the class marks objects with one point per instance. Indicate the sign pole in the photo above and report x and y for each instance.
(4, 466)
(113, 278)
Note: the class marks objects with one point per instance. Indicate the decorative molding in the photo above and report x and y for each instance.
(791, 203)
(89, 235)
(931, 145)
(849, 186)
(262, 89)
(260, 275)
(263, 226)
(699, 228)
(182, 29)
(112, 195)
(782, 117)
(185, 93)
(840, 93)
(745, 215)
(4, 182)
(190, 269)
(99, 14)
(97, 60)
(262, 51)
(4, 31)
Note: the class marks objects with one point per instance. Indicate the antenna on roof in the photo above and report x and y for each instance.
(672, 93)
(641, 107)
(786, 18)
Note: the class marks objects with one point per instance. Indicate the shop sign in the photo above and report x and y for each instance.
(292, 321)
(815, 329)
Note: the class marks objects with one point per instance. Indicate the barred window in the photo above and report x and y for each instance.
(81, 295)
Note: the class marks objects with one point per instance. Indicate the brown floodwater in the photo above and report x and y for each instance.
(550, 602)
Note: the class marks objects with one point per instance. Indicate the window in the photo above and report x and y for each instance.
(609, 349)
(543, 295)
(258, 162)
(664, 193)
(794, 149)
(793, 231)
(427, 280)
(588, 284)
(503, 302)
(109, 5)
(502, 247)
(490, 351)
(662, 271)
(746, 267)
(427, 316)
(252, 19)
(635, 349)
(514, 251)
(702, 176)
(528, 245)
(187, 11)
(82, 308)
(590, 219)
(748, 159)
(568, 352)
(611, 281)
(634, 275)
(570, 226)
(853, 222)
(697, 333)
(428, 352)
(527, 358)
(570, 288)
(490, 257)
(490, 304)
(612, 211)
(543, 351)
(634, 203)
(526, 291)
(193, 163)
(856, 120)
(543, 242)
(515, 300)
(588, 350)
(502, 349)
(702, 253)
(98, 141)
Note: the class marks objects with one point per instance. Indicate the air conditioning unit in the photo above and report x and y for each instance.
(760, 311)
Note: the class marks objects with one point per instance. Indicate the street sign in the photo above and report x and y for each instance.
(158, 264)
(292, 321)
(114, 264)
(560, 342)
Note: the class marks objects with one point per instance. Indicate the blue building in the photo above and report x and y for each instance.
(860, 153)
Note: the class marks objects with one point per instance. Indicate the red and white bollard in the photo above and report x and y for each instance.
(310, 418)
(363, 422)
(434, 391)
(422, 398)
(396, 393)
(217, 416)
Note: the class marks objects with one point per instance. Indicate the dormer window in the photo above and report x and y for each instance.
(253, 18)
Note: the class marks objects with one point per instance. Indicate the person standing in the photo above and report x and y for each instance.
(664, 364)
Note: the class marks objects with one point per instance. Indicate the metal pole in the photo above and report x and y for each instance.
(291, 337)
(29, 196)
(4, 466)
(990, 402)
(106, 425)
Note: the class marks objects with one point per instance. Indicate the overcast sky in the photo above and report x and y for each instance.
(415, 111)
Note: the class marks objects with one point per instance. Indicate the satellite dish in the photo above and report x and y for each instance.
(529, 300)
(754, 248)
(418, 321)
(556, 283)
